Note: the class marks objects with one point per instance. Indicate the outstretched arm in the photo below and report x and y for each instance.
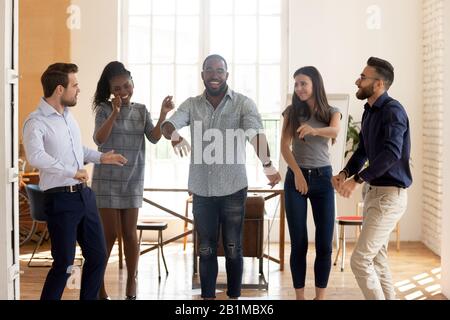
(259, 143)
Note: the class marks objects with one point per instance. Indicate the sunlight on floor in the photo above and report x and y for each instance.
(428, 281)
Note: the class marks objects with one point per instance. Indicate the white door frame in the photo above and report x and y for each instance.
(9, 226)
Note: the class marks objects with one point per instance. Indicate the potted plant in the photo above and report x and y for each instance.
(352, 139)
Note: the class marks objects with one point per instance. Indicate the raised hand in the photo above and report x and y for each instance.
(167, 106)
(116, 102)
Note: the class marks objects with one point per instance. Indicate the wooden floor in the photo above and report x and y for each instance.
(415, 269)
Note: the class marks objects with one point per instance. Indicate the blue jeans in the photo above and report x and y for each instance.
(211, 214)
(321, 195)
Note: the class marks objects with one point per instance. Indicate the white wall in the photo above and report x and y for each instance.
(329, 34)
(445, 244)
(333, 36)
(93, 46)
(433, 120)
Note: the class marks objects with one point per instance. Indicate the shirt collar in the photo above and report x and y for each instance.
(378, 104)
(48, 110)
(229, 93)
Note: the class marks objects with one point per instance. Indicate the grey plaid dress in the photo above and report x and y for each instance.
(115, 186)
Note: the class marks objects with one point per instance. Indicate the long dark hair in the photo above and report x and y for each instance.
(103, 92)
(299, 111)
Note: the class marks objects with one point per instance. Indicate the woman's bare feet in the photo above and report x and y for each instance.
(320, 293)
(300, 294)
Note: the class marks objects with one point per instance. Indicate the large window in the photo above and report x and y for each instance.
(164, 44)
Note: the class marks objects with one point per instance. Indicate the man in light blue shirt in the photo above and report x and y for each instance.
(221, 121)
(52, 142)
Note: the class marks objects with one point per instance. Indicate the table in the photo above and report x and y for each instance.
(266, 192)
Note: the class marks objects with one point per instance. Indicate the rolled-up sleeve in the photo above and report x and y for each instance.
(251, 121)
(182, 116)
(33, 141)
(149, 127)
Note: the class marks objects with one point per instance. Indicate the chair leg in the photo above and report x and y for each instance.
(261, 265)
(338, 245)
(140, 241)
(162, 252)
(186, 214)
(119, 242)
(159, 248)
(343, 249)
(31, 233)
(337, 235)
(398, 236)
(38, 245)
(195, 261)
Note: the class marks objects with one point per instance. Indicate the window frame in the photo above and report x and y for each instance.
(253, 164)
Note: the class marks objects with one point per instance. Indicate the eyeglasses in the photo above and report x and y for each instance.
(363, 77)
(210, 71)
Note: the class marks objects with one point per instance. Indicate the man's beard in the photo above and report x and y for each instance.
(364, 93)
(69, 103)
(216, 92)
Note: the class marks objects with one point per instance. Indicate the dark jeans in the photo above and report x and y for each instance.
(74, 217)
(211, 214)
(321, 195)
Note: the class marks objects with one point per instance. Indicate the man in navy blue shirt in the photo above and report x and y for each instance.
(385, 143)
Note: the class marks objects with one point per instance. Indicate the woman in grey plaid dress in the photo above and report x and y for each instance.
(122, 126)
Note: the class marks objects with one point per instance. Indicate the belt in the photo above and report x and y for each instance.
(71, 189)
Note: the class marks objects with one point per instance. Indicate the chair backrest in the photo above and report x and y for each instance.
(36, 199)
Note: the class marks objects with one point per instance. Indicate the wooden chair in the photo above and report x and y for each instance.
(341, 223)
(356, 220)
(36, 199)
(141, 226)
(186, 214)
(252, 241)
(154, 226)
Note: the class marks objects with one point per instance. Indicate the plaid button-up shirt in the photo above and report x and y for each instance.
(218, 139)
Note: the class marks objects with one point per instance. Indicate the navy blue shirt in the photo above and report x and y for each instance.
(384, 141)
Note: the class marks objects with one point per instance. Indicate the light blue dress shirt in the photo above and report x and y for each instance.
(52, 144)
